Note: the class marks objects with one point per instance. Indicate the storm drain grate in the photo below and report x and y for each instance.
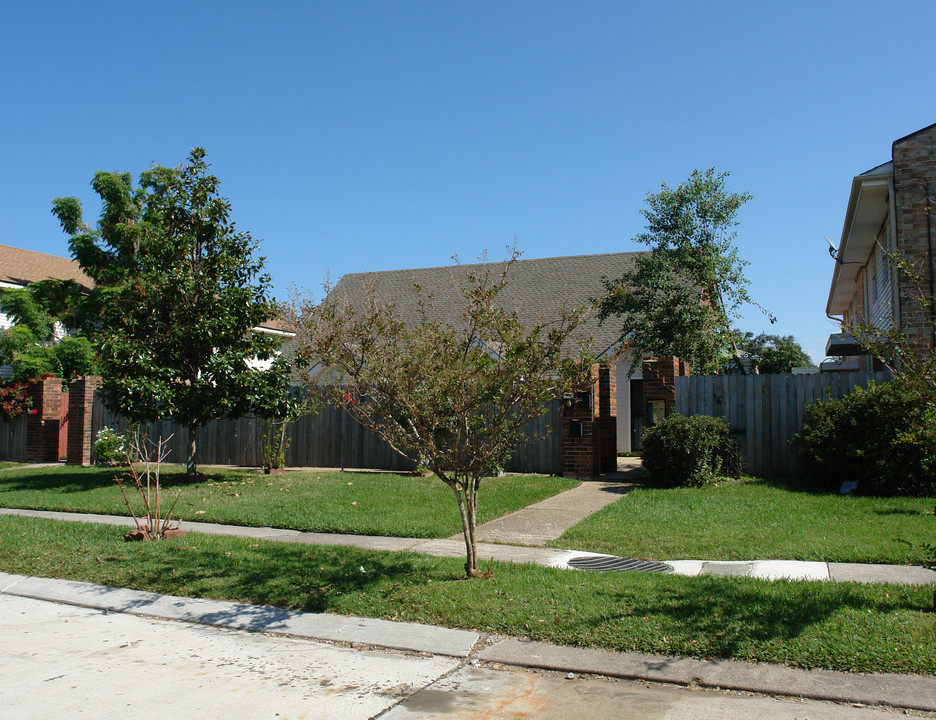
(617, 564)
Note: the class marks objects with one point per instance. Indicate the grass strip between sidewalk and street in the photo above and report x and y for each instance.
(839, 626)
(760, 519)
(367, 503)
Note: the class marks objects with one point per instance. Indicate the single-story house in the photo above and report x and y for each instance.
(535, 289)
(890, 210)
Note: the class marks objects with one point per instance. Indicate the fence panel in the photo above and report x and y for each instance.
(330, 438)
(765, 411)
(13, 440)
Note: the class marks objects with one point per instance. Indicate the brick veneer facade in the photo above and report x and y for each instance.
(80, 404)
(589, 427)
(42, 429)
(914, 159)
(659, 381)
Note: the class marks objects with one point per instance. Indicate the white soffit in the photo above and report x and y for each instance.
(867, 210)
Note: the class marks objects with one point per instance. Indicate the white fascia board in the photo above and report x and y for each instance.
(867, 209)
(275, 333)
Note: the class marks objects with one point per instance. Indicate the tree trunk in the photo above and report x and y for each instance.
(190, 467)
(467, 507)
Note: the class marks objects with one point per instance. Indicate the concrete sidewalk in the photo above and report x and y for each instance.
(898, 691)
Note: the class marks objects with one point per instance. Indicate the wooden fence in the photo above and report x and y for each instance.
(13, 440)
(765, 411)
(330, 438)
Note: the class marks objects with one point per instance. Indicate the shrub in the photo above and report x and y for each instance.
(15, 401)
(35, 362)
(883, 437)
(110, 447)
(689, 452)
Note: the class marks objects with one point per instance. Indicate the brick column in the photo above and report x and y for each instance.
(42, 429)
(80, 405)
(607, 418)
(659, 383)
(589, 443)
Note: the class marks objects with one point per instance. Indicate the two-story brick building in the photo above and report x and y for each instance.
(890, 210)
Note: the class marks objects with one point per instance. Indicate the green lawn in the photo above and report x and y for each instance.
(842, 626)
(4, 464)
(758, 519)
(356, 503)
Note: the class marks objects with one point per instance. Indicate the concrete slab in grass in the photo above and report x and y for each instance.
(897, 574)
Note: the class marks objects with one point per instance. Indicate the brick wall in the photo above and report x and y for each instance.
(80, 406)
(42, 429)
(659, 381)
(589, 426)
(915, 194)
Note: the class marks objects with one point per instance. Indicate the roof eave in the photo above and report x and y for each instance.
(866, 211)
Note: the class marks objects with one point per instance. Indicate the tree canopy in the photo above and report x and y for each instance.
(772, 354)
(685, 293)
(450, 397)
(177, 291)
(43, 313)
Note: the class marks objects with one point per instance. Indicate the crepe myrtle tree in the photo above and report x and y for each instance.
(177, 291)
(450, 397)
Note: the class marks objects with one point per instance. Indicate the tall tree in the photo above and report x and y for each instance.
(177, 292)
(450, 397)
(683, 295)
(772, 354)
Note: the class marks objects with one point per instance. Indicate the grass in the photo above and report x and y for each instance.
(844, 626)
(4, 464)
(758, 519)
(340, 502)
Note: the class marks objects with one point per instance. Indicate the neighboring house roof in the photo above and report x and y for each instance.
(21, 267)
(277, 326)
(535, 289)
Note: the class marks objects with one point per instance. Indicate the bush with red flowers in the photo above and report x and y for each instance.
(15, 401)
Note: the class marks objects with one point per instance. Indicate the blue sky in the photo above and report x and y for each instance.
(353, 136)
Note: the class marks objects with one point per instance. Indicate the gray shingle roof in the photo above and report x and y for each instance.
(535, 289)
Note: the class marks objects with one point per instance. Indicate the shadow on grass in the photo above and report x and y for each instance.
(727, 619)
(298, 578)
(74, 479)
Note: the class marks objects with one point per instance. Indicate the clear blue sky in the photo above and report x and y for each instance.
(353, 136)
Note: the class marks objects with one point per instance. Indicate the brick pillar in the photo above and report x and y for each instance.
(80, 404)
(607, 418)
(659, 383)
(42, 429)
(589, 426)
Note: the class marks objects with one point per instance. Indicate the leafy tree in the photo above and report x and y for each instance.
(450, 398)
(683, 295)
(177, 292)
(772, 354)
(36, 344)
